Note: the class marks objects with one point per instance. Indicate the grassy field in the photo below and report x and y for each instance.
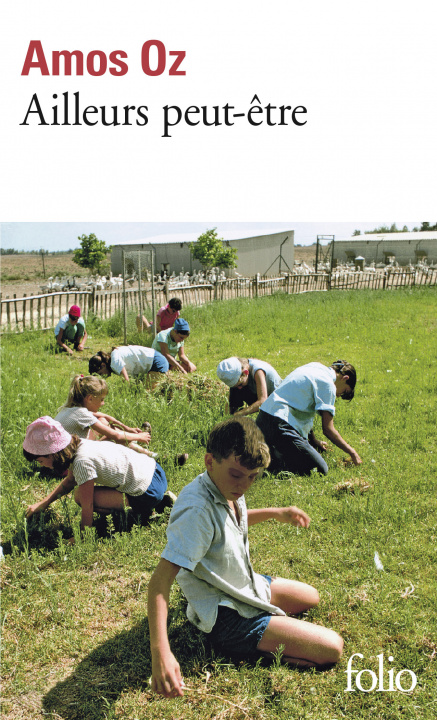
(75, 633)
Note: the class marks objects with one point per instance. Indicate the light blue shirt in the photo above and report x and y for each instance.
(212, 548)
(272, 377)
(164, 336)
(305, 391)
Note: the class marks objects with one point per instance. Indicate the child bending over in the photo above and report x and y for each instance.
(81, 416)
(250, 381)
(104, 476)
(207, 550)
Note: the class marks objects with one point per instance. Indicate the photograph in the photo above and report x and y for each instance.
(191, 376)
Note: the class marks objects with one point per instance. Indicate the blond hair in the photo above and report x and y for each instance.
(83, 385)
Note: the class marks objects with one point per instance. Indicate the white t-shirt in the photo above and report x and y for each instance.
(135, 358)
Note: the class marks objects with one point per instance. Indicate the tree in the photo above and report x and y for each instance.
(211, 252)
(92, 253)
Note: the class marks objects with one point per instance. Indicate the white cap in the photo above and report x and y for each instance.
(229, 371)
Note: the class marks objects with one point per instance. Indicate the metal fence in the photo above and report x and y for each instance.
(32, 312)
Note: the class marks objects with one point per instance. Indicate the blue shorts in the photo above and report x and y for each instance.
(144, 504)
(233, 634)
(160, 363)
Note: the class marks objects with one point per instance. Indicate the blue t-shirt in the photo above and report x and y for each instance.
(273, 380)
(305, 391)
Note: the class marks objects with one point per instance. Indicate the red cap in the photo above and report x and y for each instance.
(74, 310)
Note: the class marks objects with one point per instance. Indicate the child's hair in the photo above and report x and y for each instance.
(62, 459)
(344, 368)
(97, 361)
(239, 436)
(244, 364)
(175, 304)
(81, 386)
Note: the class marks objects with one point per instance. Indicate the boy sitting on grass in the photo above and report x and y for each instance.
(207, 549)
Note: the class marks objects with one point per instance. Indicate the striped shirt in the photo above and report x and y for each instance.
(113, 466)
(76, 420)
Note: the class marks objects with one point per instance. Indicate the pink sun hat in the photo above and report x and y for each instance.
(45, 436)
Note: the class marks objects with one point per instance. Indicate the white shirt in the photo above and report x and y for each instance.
(135, 358)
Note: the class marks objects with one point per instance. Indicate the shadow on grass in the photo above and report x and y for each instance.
(46, 530)
(119, 665)
(123, 664)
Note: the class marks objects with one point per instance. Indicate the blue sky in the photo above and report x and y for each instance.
(63, 236)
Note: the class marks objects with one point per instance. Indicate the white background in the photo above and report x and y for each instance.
(365, 71)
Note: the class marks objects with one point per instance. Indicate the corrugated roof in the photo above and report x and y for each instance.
(193, 236)
(395, 237)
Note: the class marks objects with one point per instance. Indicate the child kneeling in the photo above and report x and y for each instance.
(105, 476)
(207, 549)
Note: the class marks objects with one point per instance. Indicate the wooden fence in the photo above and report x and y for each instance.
(43, 311)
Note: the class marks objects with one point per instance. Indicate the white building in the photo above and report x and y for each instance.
(405, 247)
(267, 254)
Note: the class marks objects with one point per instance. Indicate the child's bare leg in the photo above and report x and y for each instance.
(138, 448)
(304, 644)
(106, 499)
(292, 596)
(93, 435)
(142, 323)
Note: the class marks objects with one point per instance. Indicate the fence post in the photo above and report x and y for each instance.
(257, 285)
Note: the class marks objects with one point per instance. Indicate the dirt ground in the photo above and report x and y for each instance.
(23, 274)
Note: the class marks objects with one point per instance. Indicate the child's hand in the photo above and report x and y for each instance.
(355, 458)
(166, 676)
(34, 510)
(293, 515)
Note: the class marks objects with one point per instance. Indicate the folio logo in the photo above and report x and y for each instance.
(375, 680)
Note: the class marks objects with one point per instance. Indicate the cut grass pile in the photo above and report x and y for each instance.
(75, 634)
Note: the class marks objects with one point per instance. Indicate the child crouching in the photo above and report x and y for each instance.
(105, 476)
(207, 549)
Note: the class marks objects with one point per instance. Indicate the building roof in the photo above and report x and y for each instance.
(226, 235)
(396, 236)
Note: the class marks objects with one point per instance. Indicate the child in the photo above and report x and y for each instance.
(71, 328)
(286, 417)
(81, 415)
(171, 343)
(250, 381)
(105, 476)
(127, 360)
(207, 549)
(165, 317)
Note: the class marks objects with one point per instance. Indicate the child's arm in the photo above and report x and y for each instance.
(63, 488)
(61, 343)
(83, 340)
(85, 498)
(261, 393)
(120, 436)
(334, 436)
(183, 358)
(166, 674)
(293, 515)
(171, 360)
(114, 421)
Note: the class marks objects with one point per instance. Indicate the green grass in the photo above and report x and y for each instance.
(75, 635)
